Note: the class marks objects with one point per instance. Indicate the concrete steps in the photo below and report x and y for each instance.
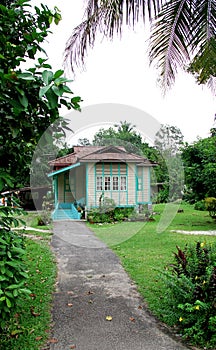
(66, 211)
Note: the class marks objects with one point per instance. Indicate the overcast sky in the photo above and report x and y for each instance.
(118, 72)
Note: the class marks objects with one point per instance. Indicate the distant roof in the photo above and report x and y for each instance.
(84, 154)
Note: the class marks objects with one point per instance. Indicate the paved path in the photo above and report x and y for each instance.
(205, 233)
(91, 286)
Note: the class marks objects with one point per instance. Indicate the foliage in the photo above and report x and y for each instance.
(188, 38)
(165, 152)
(210, 204)
(168, 143)
(144, 252)
(108, 215)
(199, 163)
(203, 73)
(13, 271)
(200, 205)
(125, 136)
(182, 33)
(191, 293)
(31, 94)
(168, 140)
(29, 327)
(162, 195)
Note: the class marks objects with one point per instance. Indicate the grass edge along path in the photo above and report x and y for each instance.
(145, 254)
(29, 328)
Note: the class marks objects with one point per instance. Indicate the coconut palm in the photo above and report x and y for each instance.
(125, 127)
(182, 34)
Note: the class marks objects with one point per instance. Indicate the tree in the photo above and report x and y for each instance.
(84, 142)
(125, 136)
(182, 34)
(200, 170)
(169, 140)
(125, 127)
(30, 98)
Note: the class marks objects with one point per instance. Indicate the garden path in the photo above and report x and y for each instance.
(96, 306)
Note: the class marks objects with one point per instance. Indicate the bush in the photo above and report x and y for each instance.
(191, 294)
(200, 205)
(109, 214)
(13, 275)
(44, 218)
(210, 204)
(162, 196)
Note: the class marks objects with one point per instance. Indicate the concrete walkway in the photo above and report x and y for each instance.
(91, 286)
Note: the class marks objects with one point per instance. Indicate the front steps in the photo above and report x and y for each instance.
(66, 211)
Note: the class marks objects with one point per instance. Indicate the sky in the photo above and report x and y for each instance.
(118, 72)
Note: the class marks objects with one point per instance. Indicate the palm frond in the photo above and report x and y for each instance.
(170, 34)
(106, 17)
(203, 43)
(203, 24)
(203, 65)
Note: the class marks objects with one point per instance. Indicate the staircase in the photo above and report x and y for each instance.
(66, 211)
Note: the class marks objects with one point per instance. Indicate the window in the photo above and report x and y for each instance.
(139, 184)
(123, 183)
(99, 184)
(66, 182)
(107, 183)
(115, 183)
(111, 177)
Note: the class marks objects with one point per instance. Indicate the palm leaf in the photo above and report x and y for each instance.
(184, 33)
(170, 34)
(203, 43)
(108, 18)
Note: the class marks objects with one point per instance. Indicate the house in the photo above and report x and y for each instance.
(82, 179)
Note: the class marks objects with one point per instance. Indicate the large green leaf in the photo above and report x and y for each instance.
(23, 100)
(52, 99)
(58, 74)
(43, 90)
(26, 76)
(47, 76)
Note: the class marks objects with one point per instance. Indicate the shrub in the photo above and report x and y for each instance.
(44, 218)
(210, 204)
(200, 205)
(191, 294)
(163, 195)
(98, 216)
(109, 214)
(122, 213)
(13, 275)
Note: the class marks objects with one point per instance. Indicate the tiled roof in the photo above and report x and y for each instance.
(72, 158)
(98, 153)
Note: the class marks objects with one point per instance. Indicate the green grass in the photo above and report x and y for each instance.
(144, 252)
(29, 327)
(31, 220)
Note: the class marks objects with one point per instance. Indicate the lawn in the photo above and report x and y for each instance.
(144, 252)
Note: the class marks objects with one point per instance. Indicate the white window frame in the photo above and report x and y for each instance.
(123, 183)
(115, 183)
(107, 183)
(99, 183)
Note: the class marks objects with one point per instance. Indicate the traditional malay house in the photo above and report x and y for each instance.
(84, 178)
